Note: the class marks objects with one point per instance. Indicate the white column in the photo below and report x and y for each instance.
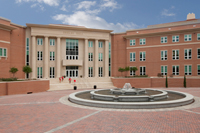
(106, 67)
(58, 57)
(33, 58)
(46, 58)
(86, 59)
(96, 59)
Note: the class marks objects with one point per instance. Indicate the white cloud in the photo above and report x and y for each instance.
(63, 8)
(82, 18)
(39, 5)
(166, 12)
(112, 4)
(48, 2)
(85, 4)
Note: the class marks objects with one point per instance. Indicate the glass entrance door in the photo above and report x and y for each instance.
(71, 71)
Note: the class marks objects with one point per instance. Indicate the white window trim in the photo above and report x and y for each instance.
(175, 70)
(143, 41)
(187, 37)
(90, 72)
(39, 57)
(131, 72)
(187, 54)
(100, 44)
(53, 42)
(175, 54)
(131, 58)
(163, 69)
(90, 58)
(163, 39)
(197, 37)
(100, 71)
(163, 55)
(188, 69)
(3, 53)
(52, 58)
(143, 58)
(175, 38)
(198, 74)
(52, 73)
(40, 74)
(197, 53)
(100, 56)
(143, 73)
(40, 41)
(132, 43)
(90, 44)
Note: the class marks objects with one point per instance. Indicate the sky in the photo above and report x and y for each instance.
(116, 15)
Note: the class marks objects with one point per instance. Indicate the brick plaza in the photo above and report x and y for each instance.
(43, 112)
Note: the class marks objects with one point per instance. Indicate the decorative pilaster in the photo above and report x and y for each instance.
(86, 59)
(46, 58)
(96, 59)
(106, 67)
(33, 74)
(58, 58)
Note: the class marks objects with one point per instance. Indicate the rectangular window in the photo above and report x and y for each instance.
(39, 72)
(1, 51)
(109, 59)
(198, 53)
(100, 71)
(100, 44)
(90, 43)
(132, 56)
(52, 56)
(188, 37)
(188, 70)
(164, 70)
(198, 36)
(142, 41)
(39, 41)
(52, 72)
(52, 42)
(39, 55)
(198, 70)
(164, 55)
(90, 56)
(72, 49)
(188, 54)
(175, 38)
(142, 70)
(100, 56)
(27, 51)
(132, 42)
(175, 54)
(90, 72)
(142, 56)
(175, 70)
(164, 39)
(132, 73)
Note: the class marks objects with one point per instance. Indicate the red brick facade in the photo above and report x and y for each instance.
(12, 38)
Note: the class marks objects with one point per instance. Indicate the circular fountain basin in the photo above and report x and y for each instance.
(129, 104)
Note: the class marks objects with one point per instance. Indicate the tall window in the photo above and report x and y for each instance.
(188, 70)
(188, 54)
(175, 54)
(132, 56)
(39, 72)
(27, 52)
(100, 71)
(3, 52)
(164, 70)
(132, 73)
(164, 39)
(198, 53)
(39, 41)
(100, 44)
(90, 72)
(188, 37)
(71, 49)
(142, 41)
(100, 56)
(142, 70)
(142, 56)
(132, 42)
(164, 55)
(90, 43)
(52, 72)
(175, 38)
(198, 36)
(109, 59)
(175, 70)
(198, 70)
(90, 56)
(52, 56)
(52, 42)
(39, 55)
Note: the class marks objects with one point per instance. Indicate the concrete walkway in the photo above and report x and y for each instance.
(43, 112)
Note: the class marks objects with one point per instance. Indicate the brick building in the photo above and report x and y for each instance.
(12, 48)
(170, 48)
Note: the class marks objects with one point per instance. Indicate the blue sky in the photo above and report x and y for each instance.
(117, 15)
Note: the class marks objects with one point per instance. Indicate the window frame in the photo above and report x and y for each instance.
(100, 71)
(52, 72)
(39, 72)
(175, 72)
(90, 71)
(198, 69)
(132, 73)
(175, 57)
(186, 40)
(52, 42)
(39, 41)
(3, 52)
(164, 39)
(132, 42)
(163, 58)
(132, 59)
(198, 38)
(188, 72)
(198, 53)
(175, 38)
(188, 57)
(164, 68)
(90, 56)
(100, 56)
(100, 44)
(143, 56)
(90, 44)
(52, 57)
(142, 41)
(39, 55)
(143, 72)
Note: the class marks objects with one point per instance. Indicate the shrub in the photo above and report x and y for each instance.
(13, 70)
(9, 79)
(121, 70)
(27, 69)
(159, 75)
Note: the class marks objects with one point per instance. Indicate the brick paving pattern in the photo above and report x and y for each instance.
(42, 112)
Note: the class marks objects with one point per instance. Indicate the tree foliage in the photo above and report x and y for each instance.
(27, 69)
(13, 70)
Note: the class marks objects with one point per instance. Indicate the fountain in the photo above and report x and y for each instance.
(131, 98)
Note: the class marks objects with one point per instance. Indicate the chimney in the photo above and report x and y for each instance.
(190, 16)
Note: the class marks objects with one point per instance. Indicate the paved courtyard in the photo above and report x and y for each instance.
(43, 112)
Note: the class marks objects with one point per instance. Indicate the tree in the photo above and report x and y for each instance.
(13, 70)
(126, 69)
(166, 82)
(134, 69)
(184, 82)
(27, 69)
(121, 70)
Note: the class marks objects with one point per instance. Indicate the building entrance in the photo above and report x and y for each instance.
(71, 71)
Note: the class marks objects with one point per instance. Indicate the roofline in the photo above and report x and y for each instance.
(5, 19)
(66, 27)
